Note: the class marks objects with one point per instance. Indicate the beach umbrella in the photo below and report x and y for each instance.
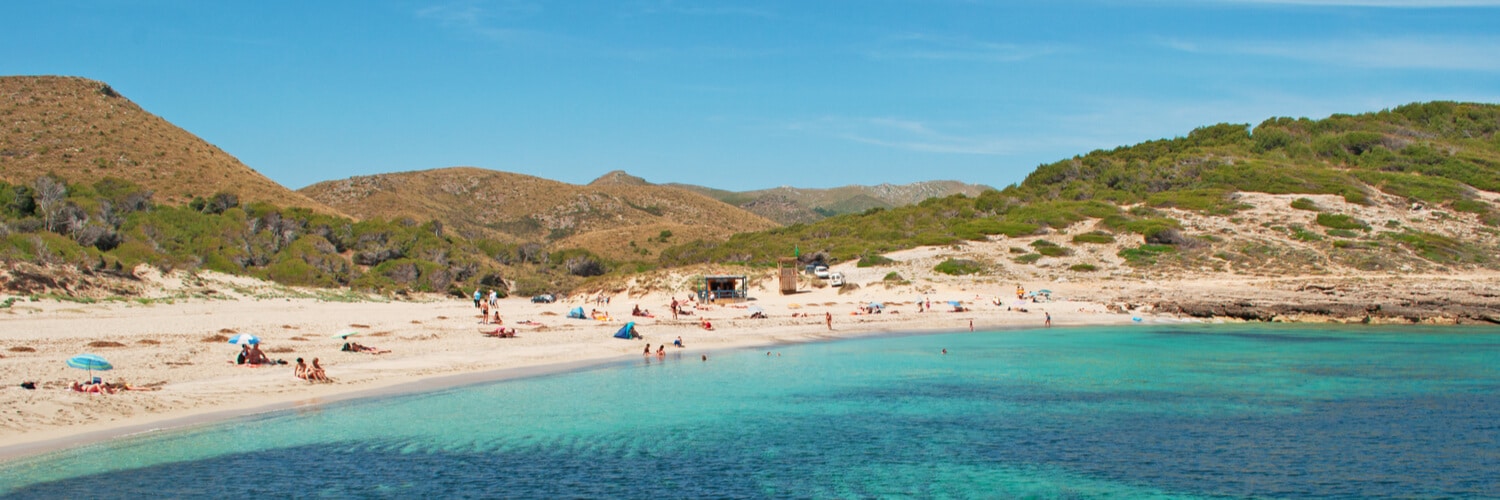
(877, 305)
(345, 334)
(1044, 292)
(755, 309)
(89, 362)
(244, 338)
(955, 303)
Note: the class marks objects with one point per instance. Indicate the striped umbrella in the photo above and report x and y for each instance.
(244, 338)
(89, 362)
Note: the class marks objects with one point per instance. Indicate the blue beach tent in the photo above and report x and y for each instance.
(626, 332)
(577, 313)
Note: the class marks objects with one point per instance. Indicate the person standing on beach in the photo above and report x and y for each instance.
(648, 350)
(828, 317)
(674, 307)
(1048, 323)
(477, 297)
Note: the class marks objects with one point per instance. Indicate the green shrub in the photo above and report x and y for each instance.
(1439, 248)
(1144, 255)
(1343, 233)
(1083, 268)
(1305, 204)
(874, 259)
(1300, 233)
(959, 267)
(893, 276)
(1470, 206)
(1028, 258)
(1341, 221)
(1095, 237)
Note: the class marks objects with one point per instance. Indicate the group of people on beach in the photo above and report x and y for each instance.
(312, 373)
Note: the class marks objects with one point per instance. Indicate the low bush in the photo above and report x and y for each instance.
(959, 267)
(1094, 237)
(1083, 268)
(1305, 204)
(1341, 221)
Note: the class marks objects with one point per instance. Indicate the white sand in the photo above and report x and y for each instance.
(434, 338)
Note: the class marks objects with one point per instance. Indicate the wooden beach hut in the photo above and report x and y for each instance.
(723, 288)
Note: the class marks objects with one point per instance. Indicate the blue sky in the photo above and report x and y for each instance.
(743, 94)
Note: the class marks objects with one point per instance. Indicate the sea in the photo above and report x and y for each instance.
(1136, 411)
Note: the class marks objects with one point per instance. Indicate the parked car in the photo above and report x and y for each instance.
(545, 298)
(836, 279)
(821, 272)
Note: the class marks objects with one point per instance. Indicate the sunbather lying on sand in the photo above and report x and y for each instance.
(500, 332)
(92, 388)
(355, 347)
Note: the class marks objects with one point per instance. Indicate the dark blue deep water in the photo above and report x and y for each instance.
(1126, 412)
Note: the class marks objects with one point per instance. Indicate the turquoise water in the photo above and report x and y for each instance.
(1139, 411)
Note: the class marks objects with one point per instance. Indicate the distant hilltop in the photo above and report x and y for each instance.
(83, 130)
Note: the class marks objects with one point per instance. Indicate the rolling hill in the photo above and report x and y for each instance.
(791, 205)
(616, 216)
(83, 131)
(1411, 189)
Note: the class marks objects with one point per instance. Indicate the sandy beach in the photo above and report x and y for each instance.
(179, 349)
(171, 337)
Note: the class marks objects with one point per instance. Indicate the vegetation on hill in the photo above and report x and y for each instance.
(790, 205)
(83, 129)
(617, 216)
(1434, 154)
(113, 225)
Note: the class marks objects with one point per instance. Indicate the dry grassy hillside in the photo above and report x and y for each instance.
(83, 130)
(791, 205)
(615, 220)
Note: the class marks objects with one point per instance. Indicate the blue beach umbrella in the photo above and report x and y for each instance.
(89, 362)
(244, 338)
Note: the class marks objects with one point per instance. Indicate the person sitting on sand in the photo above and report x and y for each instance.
(244, 354)
(706, 325)
(316, 373)
(301, 370)
(677, 343)
(356, 347)
(257, 357)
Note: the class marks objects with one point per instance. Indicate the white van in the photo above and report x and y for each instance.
(836, 279)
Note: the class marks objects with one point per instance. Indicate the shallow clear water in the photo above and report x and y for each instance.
(1139, 411)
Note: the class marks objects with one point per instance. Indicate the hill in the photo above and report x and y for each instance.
(1408, 190)
(618, 216)
(83, 131)
(790, 205)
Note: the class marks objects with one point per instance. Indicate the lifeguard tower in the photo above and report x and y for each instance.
(787, 268)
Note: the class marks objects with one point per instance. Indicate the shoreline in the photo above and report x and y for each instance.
(181, 349)
(437, 347)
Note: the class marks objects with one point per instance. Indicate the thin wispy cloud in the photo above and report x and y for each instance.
(480, 18)
(1416, 53)
(909, 135)
(941, 48)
